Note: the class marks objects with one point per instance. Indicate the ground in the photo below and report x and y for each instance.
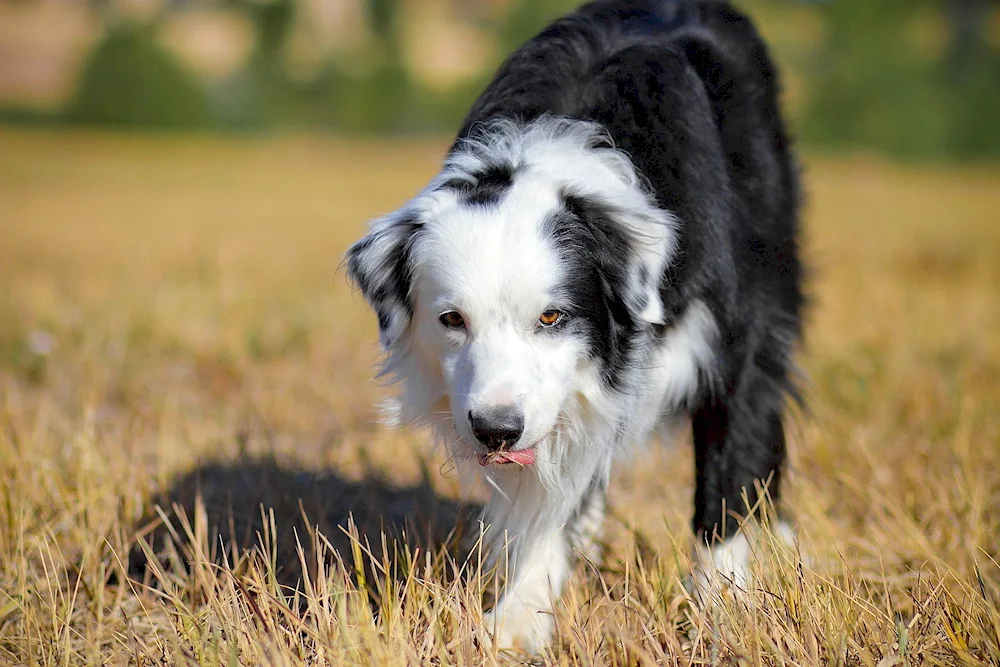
(176, 331)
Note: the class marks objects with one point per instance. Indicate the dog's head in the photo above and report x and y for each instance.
(515, 292)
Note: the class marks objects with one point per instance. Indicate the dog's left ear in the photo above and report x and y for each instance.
(380, 265)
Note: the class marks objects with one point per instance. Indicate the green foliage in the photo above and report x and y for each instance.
(262, 94)
(380, 98)
(128, 79)
(975, 108)
(383, 100)
(273, 23)
(871, 84)
(385, 97)
(383, 16)
(869, 79)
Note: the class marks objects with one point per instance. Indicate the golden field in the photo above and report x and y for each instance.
(175, 333)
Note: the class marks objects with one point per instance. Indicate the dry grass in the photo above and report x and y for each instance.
(173, 331)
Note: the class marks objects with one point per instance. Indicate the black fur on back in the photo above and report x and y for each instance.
(686, 88)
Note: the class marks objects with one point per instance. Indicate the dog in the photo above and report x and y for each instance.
(609, 247)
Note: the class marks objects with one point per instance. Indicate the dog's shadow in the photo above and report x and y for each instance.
(226, 509)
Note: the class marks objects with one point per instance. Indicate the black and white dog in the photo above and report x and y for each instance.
(610, 245)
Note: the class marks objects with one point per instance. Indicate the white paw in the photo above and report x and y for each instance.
(728, 566)
(518, 627)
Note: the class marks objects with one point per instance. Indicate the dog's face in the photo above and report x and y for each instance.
(511, 288)
(495, 307)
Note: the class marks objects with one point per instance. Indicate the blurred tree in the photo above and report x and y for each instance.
(865, 74)
(915, 78)
(129, 79)
(871, 83)
(969, 22)
(265, 92)
(384, 97)
(384, 18)
(971, 77)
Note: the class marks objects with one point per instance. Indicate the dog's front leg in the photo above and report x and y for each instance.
(739, 451)
(539, 567)
(523, 616)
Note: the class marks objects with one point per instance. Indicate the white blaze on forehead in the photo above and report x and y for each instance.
(490, 260)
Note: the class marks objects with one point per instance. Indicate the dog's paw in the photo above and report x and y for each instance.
(729, 565)
(518, 628)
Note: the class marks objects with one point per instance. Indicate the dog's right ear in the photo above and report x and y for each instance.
(380, 265)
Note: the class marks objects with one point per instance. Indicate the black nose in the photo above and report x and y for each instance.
(498, 426)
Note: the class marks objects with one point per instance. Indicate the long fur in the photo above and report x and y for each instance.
(628, 169)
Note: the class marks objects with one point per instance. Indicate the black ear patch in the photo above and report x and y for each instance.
(380, 265)
(597, 253)
(610, 283)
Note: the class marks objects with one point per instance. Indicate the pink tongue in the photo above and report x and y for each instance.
(524, 457)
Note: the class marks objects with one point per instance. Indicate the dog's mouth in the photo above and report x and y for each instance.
(522, 457)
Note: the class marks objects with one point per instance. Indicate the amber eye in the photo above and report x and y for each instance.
(452, 320)
(550, 318)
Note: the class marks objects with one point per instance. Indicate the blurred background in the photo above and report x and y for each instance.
(915, 79)
(179, 180)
